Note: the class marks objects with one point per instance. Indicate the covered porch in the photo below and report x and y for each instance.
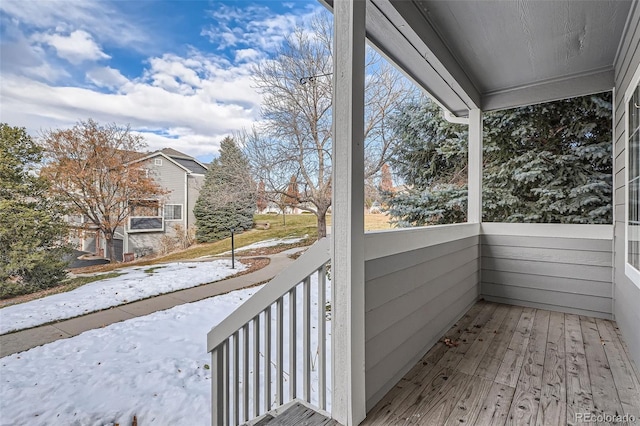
(530, 304)
(397, 293)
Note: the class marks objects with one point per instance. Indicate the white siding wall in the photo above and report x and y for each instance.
(566, 268)
(413, 295)
(626, 295)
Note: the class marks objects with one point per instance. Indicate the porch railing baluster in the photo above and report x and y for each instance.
(241, 346)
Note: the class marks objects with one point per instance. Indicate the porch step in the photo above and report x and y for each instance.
(298, 415)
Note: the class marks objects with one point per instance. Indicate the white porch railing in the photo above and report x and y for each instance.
(256, 349)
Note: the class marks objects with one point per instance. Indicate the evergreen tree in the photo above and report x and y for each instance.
(542, 163)
(31, 221)
(431, 158)
(228, 197)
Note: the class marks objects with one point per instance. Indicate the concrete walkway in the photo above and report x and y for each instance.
(26, 339)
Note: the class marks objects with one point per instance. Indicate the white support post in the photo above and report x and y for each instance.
(474, 208)
(348, 396)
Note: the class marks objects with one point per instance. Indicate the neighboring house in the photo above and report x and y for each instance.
(396, 293)
(181, 176)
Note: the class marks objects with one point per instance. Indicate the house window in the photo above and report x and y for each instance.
(144, 208)
(173, 212)
(145, 216)
(158, 162)
(633, 179)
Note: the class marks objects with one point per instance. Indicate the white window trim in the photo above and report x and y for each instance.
(632, 273)
(181, 212)
(158, 162)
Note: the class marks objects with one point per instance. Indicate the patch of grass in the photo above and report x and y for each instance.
(73, 283)
(151, 270)
(292, 225)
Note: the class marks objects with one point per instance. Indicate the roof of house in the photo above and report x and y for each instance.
(186, 161)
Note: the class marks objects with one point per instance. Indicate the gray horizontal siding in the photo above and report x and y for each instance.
(627, 294)
(411, 299)
(563, 274)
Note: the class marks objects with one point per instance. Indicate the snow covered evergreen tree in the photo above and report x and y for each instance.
(542, 163)
(228, 197)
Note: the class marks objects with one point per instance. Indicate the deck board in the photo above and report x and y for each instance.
(512, 365)
(524, 407)
(603, 388)
(553, 405)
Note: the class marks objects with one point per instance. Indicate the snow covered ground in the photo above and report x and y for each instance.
(268, 243)
(136, 283)
(151, 366)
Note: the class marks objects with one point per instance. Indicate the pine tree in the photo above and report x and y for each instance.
(542, 163)
(31, 221)
(228, 197)
(431, 158)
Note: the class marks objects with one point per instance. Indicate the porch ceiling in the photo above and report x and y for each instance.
(496, 54)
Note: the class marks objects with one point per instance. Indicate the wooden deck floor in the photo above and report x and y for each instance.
(512, 365)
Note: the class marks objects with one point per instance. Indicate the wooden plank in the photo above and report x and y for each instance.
(436, 407)
(553, 408)
(469, 404)
(410, 398)
(496, 405)
(410, 382)
(623, 342)
(479, 347)
(579, 397)
(428, 381)
(447, 364)
(547, 307)
(490, 363)
(605, 396)
(625, 379)
(514, 356)
(524, 407)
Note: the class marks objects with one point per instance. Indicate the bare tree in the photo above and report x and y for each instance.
(295, 136)
(94, 169)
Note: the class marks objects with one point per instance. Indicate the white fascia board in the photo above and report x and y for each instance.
(411, 21)
(597, 81)
(160, 154)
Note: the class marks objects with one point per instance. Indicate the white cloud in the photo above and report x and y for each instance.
(76, 47)
(254, 26)
(107, 77)
(97, 17)
(188, 103)
(245, 55)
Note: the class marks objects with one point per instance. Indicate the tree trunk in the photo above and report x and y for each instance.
(322, 224)
(111, 249)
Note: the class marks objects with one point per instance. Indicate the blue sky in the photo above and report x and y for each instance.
(179, 72)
